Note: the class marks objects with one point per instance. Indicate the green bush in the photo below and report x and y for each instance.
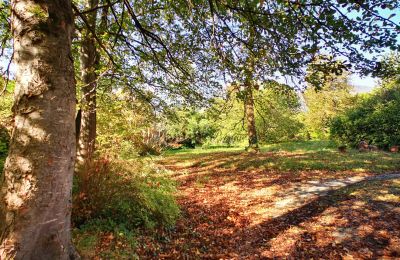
(127, 194)
(189, 127)
(374, 119)
(6, 101)
(3, 150)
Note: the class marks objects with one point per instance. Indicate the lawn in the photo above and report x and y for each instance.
(292, 200)
(294, 157)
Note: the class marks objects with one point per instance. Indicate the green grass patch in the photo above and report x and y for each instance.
(301, 146)
(295, 156)
(96, 240)
(205, 150)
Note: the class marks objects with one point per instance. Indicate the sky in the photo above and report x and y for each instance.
(363, 84)
(367, 84)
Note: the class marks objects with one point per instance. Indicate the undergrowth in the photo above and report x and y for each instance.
(112, 200)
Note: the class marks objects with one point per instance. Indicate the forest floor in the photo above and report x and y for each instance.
(288, 201)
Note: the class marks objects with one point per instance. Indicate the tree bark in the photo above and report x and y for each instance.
(35, 206)
(88, 57)
(250, 119)
(248, 98)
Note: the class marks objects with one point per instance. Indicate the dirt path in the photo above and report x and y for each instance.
(233, 214)
(300, 193)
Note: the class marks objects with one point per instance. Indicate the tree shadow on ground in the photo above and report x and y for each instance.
(295, 162)
(363, 229)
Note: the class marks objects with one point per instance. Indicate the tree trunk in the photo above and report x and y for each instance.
(250, 119)
(35, 207)
(249, 99)
(88, 57)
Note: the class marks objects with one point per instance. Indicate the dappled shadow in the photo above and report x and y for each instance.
(233, 211)
(331, 225)
(327, 160)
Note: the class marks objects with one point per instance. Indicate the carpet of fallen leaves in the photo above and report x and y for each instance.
(257, 213)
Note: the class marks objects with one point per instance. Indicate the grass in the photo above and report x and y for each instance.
(93, 243)
(289, 146)
(294, 156)
(291, 200)
(206, 150)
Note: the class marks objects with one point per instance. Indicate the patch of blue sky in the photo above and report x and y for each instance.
(361, 83)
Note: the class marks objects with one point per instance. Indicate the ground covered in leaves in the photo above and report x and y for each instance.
(295, 202)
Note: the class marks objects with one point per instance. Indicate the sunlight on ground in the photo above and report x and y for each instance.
(297, 202)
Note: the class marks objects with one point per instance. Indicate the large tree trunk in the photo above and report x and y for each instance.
(35, 207)
(250, 119)
(88, 57)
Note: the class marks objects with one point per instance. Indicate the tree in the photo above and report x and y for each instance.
(252, 41)
(258, 40)
(275, 106)
(328, 95)
(288, 34)
(143, 50)
(88, 61)
(189, 126)
(374, 118)
(278, 107)
(37, 180)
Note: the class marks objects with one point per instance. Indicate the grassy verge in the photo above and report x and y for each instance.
(296, 156)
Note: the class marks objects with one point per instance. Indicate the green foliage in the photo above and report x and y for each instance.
(127, 194)
(228, 117)
(276, 113)
(276, 106)
(121, 121)
(323, 104)
(6, 102)
(115, 197)
(97, 238)
(277, 110)
(323, 70)
(389, 67)
(374, 119)
(190, 124)
(4, 142)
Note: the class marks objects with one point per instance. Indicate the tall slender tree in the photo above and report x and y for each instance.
(248, 94)
(88, 63)
(36, 184)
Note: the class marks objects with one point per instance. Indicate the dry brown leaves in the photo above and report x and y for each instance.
(261, 214)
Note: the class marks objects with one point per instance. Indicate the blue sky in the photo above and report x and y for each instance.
(366, 84)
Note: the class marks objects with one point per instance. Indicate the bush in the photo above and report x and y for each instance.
(374, 119)
(4, 140)
(127, 194)
(6, 101)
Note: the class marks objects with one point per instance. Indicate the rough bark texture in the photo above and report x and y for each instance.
(88, 57)
(35, 205)
(250, 119)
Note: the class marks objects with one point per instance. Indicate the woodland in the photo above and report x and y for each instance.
(193, 129)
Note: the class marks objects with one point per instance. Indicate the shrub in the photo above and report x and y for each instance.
(4, 139)
(6, 101)
(127, 194)
(375, 119)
